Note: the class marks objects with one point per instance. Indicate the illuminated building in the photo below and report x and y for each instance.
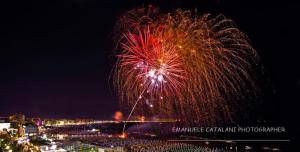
(4, 126)
(31, 129)
(17, 118)
(17, 121)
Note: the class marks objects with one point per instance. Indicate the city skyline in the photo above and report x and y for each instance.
(58, 57)
(148, 75)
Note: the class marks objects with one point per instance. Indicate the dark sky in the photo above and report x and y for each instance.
(56, 57)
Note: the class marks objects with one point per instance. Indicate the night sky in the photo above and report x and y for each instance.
(56, 57)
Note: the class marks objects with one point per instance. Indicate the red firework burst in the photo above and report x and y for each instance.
(151, 63)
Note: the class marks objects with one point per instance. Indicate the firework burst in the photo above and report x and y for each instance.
(196, 68)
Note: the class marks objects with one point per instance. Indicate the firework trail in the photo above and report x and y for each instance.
(198, 69)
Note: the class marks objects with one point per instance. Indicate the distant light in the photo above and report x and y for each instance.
(248, 147)
(118, 116)
(123, 135)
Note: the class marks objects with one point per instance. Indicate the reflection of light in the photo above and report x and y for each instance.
(44, 136)
(61, 137)
(248, 147)
(123, 135)
(275, 149)
(53, 147)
